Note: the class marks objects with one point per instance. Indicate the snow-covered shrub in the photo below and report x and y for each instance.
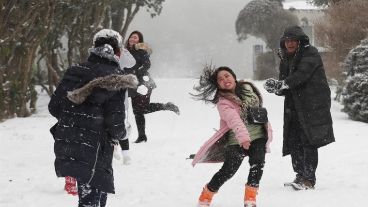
(355, 90)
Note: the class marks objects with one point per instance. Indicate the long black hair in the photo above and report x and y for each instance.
(140, 36)
(208, 88)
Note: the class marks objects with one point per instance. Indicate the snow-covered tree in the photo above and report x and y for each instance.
(23, 26)
(344, 25)
(33, 32)
(265, 19)
(324, 2)
(355, 91)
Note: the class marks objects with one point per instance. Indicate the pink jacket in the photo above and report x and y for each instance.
(212, 150)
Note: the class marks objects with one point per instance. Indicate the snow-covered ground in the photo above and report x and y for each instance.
(160, 175)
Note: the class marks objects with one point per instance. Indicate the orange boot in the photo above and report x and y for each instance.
(206, 197)
(250, 196)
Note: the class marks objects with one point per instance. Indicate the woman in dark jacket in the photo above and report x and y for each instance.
(89, 106)
(307, 117)
(141, 96)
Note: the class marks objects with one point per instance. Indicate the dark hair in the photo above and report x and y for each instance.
(208, 87)
(140, 36)
(110, 41)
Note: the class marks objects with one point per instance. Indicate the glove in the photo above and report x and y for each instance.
(142, 89)
(117, 152)
(272, 85)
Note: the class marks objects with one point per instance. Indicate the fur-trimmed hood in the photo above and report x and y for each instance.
(111, 83)
(143, 46)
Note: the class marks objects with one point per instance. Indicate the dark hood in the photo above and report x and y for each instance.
(294, 32)
(103, 53)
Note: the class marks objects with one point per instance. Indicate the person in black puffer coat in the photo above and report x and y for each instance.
(141, 96)
(307, 117)
(89, 107)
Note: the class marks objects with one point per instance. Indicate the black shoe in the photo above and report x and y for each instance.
(297, 180)
(142, 138)
(303, 185)
(172, 107)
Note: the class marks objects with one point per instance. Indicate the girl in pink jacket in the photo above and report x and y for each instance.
(237, 137)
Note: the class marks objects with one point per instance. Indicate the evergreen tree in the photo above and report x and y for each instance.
(355, 91)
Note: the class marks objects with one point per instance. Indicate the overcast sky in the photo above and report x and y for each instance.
(191, 33)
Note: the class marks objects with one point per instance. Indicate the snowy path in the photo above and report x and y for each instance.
(161, 176)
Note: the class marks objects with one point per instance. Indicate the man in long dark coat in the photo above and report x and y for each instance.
(307, 117)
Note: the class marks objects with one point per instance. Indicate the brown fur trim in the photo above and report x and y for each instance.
(111, 83)
(234, 98)
(143, 46)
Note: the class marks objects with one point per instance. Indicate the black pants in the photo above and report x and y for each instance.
(124, 144)
(305, 161)
(141, 105)
(304, 156)
(234, 156)
(90, 196)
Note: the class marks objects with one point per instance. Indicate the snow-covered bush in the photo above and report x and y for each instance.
(355, 90)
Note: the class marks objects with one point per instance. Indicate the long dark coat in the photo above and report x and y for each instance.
(85, 131)
(308, 99)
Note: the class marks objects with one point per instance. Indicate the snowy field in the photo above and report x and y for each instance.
(160, 176)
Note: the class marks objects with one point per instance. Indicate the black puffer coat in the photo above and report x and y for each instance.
(84, 132)
(141, 53)
(308, 97)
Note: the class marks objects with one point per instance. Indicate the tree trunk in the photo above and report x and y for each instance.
(27, 25)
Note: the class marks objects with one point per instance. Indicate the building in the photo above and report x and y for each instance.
(308, 16)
